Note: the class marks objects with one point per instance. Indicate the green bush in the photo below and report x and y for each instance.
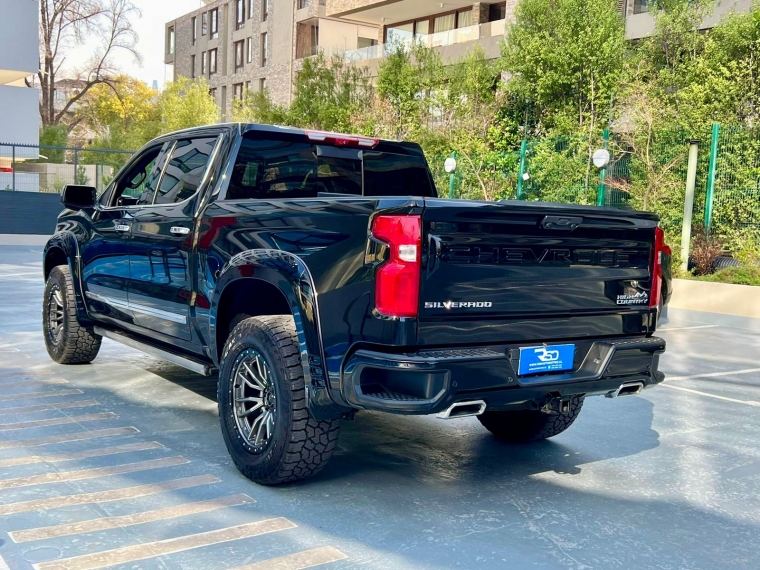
(749, 275)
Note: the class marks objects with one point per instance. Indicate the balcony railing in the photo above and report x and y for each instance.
(440, 39)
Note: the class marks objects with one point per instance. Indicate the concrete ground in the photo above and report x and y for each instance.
(121, 463)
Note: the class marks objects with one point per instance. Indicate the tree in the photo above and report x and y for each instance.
(124, 114)
(68, 23)
(327, 92)
(187, 103)
(566, 57)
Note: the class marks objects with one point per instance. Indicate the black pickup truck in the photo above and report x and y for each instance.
(319, 274)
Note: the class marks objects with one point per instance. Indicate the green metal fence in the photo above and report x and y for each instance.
(733, 190)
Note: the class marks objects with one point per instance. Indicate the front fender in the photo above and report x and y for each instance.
(290, 275)
(64, 243)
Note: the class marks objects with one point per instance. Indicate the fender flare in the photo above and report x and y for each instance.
(290, 275)
(66, 241)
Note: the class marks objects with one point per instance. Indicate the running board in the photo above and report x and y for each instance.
(189, 363)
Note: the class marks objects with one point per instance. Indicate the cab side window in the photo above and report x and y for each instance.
(185, 170)
(270, 169)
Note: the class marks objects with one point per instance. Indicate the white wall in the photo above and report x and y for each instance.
(19, 49)
(19, 116)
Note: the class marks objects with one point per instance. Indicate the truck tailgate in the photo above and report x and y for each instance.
(515, 261)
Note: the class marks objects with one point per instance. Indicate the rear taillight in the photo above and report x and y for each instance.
(656, 269)
(6, 169)
(397, 282)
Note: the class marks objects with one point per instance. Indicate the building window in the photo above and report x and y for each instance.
(303, 4)
(212, 92)
(249, 50)
(264, 10)
(194, 24)
(171, 40)
(406, 31)
(365, 42)
(250, 9)
(239, 14)
(247, 86)
(204, 23)
(214, 23)
(641, 6)
(264, 50)
(204, 63)
(192, 66)
(262, 84)
(237, 91)
(239, 55)
(497, 12)
(212, 62)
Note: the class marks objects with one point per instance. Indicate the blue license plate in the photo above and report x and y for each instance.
(538, 359)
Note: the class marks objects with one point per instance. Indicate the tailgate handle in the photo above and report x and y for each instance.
(562, 223)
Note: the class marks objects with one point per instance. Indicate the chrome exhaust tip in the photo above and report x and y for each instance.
(462, 410)
(627, 389)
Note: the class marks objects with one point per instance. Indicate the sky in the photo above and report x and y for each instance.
(150, 29)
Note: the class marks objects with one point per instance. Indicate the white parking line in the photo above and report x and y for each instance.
(714, 374)
(3, 565)
(299, 560)
(688, 328)
(734, 400)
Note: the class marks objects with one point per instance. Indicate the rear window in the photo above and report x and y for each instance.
(271, 169)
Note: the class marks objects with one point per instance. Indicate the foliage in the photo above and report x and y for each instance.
(186, 103)
(257, 107)
(125, 113)
(748, 275)
(53, 135)
(565, 57)
(705, 250)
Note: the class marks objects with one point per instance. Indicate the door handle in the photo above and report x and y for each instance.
(180, 231)
(123, 228)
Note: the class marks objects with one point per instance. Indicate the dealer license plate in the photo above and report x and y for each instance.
(552, 358)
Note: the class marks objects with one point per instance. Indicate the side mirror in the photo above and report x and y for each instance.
(77, 197)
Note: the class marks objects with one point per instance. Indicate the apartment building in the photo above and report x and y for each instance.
(255, 44)
(454, 26)
(19, 58)
(240, 45)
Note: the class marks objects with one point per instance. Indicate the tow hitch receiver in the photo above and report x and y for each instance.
(555, 406)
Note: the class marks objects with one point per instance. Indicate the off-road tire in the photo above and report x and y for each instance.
(77, 344)
(300, 446)
(527, 425)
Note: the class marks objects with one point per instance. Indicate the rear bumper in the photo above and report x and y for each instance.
(429, 381)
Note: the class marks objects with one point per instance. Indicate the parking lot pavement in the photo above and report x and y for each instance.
(121, 464)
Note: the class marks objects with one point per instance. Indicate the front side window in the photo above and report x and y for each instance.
(185, 170)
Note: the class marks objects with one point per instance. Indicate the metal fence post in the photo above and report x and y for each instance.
(600, 196)
(521, 173)
(688, 205)
(13, 168)
(452, 178)
(76, 165)
(711, 175)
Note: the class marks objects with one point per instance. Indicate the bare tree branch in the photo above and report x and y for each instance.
(66, 24)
